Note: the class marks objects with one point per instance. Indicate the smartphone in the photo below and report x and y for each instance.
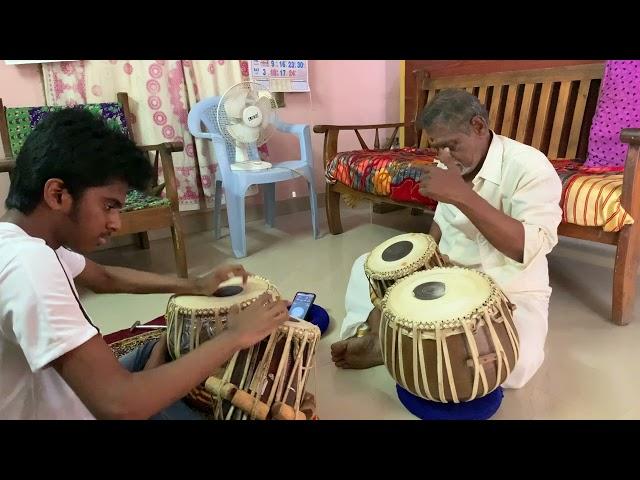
(301, 304)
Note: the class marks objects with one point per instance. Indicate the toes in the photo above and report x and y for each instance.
(338, 349)
(342, 364)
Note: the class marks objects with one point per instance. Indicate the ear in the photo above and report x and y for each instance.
(479, 125)
(56, 195)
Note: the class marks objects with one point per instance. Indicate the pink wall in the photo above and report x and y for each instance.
(344, 93)
(20, 85)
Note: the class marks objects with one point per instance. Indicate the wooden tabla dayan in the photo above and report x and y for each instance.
(193, 319)
(398, 257)
(272, 372)
(275, 371)
(447, 334)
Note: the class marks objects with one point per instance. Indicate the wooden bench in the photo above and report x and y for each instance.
(550, 109)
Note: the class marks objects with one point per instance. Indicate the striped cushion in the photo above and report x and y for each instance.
(594, 201)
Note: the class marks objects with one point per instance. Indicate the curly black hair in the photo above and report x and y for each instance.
(80, 149)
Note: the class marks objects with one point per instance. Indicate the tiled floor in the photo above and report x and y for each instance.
(591, 369)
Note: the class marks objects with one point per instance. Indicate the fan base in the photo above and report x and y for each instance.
(246, 166)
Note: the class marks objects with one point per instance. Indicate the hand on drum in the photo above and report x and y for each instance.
(210, 283)
(258, 320)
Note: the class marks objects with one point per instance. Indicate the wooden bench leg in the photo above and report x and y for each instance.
(143, 240)
(332, 202)
(625, 274)
(178, 247)
(382, 208)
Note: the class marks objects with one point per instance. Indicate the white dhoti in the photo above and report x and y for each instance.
(530, 317)
(357, 301)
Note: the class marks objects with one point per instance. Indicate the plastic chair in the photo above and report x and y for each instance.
(237, 182)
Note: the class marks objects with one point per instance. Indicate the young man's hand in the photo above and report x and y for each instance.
(210, 283)
(257, 321)
(159, 353)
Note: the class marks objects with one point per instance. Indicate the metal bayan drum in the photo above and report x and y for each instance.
(447, 334)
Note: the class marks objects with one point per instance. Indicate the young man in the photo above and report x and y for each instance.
(69, 184)
(498, 212)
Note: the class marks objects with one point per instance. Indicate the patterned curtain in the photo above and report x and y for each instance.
(160, 95)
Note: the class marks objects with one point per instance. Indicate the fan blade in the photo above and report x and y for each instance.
(266, 107)
(251, 97)
(243, 133)
(235, 104)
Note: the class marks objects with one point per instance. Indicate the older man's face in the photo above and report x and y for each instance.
(467, 149)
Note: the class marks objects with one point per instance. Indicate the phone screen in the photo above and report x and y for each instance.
(301, 304)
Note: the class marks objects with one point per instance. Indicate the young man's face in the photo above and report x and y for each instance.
(95, 216)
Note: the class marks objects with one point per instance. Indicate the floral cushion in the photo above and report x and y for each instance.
(590, 196)
(21, 121)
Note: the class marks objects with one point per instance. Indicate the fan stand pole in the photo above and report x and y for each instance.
(241, 154)
(244, 163)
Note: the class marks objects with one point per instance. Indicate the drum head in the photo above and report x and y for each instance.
(439, 295)
(398, 252)
(230, 293)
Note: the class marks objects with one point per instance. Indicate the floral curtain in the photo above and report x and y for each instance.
(161, 93)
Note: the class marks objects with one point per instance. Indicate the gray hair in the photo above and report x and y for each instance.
(453, 109)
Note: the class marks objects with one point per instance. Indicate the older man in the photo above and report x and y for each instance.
(498, 212)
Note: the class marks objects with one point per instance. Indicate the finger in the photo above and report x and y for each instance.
(275, 322)
(233, 271)
(281, 309)
(444, 154)
(338, 349)
(271, 299)
(448, 161)
(419, 166)
(423, 187)
(264, 300)
(424, 167)
(238, 270)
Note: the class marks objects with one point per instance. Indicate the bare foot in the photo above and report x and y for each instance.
(357, 352)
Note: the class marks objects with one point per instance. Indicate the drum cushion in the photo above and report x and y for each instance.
(480, 409)
(319, 317)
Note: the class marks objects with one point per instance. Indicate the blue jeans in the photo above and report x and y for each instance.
(134, 361)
